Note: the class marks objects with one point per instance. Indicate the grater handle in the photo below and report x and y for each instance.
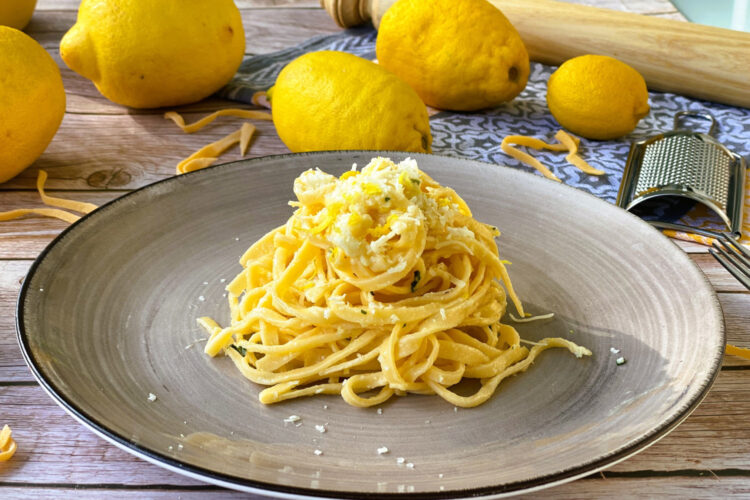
(695, 114)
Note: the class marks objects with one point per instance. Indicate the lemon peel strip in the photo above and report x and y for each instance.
(197, 164)
(51, 201)
(261, 98)
(510, 141)
(684, 236)
(210, 151)
(571, 144)
(56, 213)
(566, 142)
(5, 436)
(7, 444)
(195, 126)
(246, 134)
(742, 352)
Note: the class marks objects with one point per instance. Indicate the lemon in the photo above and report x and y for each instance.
(16, 13)
(458, 55)
(332, 100)
(597, 97)
(32, 101)
(148, 54)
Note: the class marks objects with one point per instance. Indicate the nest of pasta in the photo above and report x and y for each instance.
(381, 283)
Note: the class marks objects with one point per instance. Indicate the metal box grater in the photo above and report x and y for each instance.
(686, 164)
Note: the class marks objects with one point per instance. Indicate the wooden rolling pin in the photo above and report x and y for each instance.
(673, 56)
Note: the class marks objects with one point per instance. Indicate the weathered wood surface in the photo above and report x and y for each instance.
(648, 7)
(708, 456)
(54, 449)
(695, 487)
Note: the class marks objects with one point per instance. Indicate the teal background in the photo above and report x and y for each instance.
(732, 14)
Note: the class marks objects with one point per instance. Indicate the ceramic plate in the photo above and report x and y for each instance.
(106, 318)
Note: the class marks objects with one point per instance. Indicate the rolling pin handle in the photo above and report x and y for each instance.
(348, 13)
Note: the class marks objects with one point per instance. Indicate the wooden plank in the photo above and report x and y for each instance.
(43, 5)
(53, 492)
(719, 277)
(130, 151)
(716, 436)
(12, 366)
(55, 447)
(691, 247)
(736, 308)
(137, 493)
(24, 238)
(706, 486)
(648, 7)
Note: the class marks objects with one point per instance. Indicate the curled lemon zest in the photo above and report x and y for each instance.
(741, 352)
(197, 164)
(51, 201)
(210, 151)
(573, 158)
(347, 174)
(56, 213)
(510, 141)
(208, 155)
(567, 142)
(195, 126)
(246, 134)
(7, 444)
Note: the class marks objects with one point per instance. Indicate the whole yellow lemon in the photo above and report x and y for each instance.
(149, 54)
(458, 55)
(32, 101)
(597, 97)
(332, 100)
(16, 13)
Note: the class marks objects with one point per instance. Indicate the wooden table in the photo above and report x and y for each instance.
(103, 150)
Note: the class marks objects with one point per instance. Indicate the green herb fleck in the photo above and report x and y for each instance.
(415, 281)
(363, 311)
(416, 181)
(239, 349)
(372, 293)
(387, 199)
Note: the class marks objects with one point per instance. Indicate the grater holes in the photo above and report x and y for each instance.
(688, 161)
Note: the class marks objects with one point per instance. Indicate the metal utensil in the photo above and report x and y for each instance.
(733, 257)
(686, 164)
